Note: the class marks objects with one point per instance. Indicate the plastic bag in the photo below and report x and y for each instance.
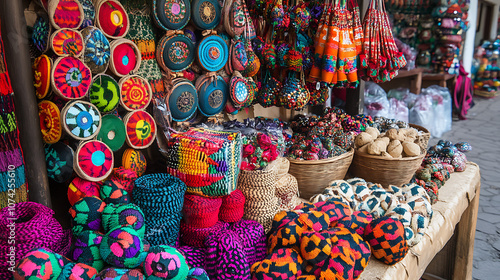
(399, 93)
(442, 108)
(422, 112)
(376, 102)
(398, 109)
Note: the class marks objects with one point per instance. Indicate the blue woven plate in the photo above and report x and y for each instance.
(183, 101)
(212, 53)
(176, 52)
(212, 97)
(171, 14)
(206, 14)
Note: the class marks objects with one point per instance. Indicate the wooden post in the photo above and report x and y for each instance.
(15, 40)
(355, 99)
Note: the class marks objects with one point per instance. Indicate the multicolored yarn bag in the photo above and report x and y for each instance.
(97, 52)
(86, 249)
(319, 93)
(93, 160)
(215, 156)
(59, 162)
(35, 228)
(238, 55)
(201, 212)
(235, 18)
(238, 90)
(294, 94)
(50, 121)
(41, 263)
(112, 18)
(175, 51)
(171, 15)
(160, 197)
(206, 14)
(40, 35)
(253, 66)
(113, 273)
(65, 13)
(67, 42)
(122, 247)
(80, 188)
(193, 236)
(268, 93)
(165, 262)
(212, 94)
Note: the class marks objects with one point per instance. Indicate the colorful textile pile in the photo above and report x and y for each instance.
(207, 161)
(328, 240)
(160, 197)
(35, 227)
(440, 161)
(408, 204)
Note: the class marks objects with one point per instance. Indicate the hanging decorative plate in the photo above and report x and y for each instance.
(67, 42)
(66, 13)
(212, 95)
(97, 51)
(112, 132)
(50, 121)
(212, 53)
(104, 93)
(183, 101)
(42, 67)
(59, 161)
(88, 13)
(81, 120)
(238, 89)
(71, 78)
(206, 14)
(125, 57)
(112, 19)
(41, 33)
(171, 14)
(135, 93)
(140, 129)
(93, 161)
(175, 52)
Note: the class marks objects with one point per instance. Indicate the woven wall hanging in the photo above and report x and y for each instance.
(67, 42)
(97, 51)
(71, 78)
(140, 129)
(81, 120)
(212, 52)
(50, 121)
(125, 57)
(104, 93)
(65, 13)
(112, 132)
(93, 161)
(171, 14)
(112, 19)
(212, 94)
(42, 68)
(135, 93)
(175, 52)
(183, 100)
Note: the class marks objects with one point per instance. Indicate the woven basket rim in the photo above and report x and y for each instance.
(419, 128)
(365, 155)
(322, 161)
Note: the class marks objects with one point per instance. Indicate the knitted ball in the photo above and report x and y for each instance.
(197, 273)
(315, 247)
(313, 221)
(123, 215)
(282, 218)
(125, 177)
(80, 188)
(135, 160)
(357, 221)
(195, 257)
(196, 236)
(39, 264)
(113, 192)
(232, 208)
(78, 271)
(201, 212)
(226, 257)
(347, 237)
(386, 237)
(86, 214)
(334, 209)
(254, 239)
(113, 273)
(122, 247)
(165, 262)
(281, 264)
(285, 237)
(86, 249)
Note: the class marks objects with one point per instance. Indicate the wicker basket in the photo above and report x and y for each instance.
(314, 175)
(283, 167)
(423, 136)
(385, 171)
(486, 94)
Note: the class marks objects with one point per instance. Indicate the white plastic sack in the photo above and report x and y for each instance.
(376, 103)
(442, 108)
(422, 112)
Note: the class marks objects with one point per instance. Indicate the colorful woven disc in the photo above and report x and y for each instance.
(94, 161)
(97, 51)
(41, 33)
(183, 101)
(59, 160)
(212, 53)
(112, 132)
(175, 52)
(238, 90)
(206, 14)
(140, 129)
(81, 120)
(104, 93)
(50, 121)
(125, 57)
(71, 78)
(134, 160)
(42, 67)
(135, 93)
(212, 97)
(66, 13)
(112, 19)
(171, 14)
(88, 12)
(67, 42)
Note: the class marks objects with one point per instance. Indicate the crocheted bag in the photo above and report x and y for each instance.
(175, 51)
(206, 14)
(171, 15)
(212, 94)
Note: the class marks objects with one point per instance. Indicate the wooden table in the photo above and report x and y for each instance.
(454, 220)
(414, 77)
